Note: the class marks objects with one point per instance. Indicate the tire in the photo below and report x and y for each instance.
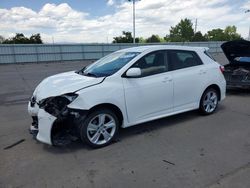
(209, 101)
(100, 128)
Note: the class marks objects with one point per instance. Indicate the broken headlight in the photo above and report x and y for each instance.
(57, 105)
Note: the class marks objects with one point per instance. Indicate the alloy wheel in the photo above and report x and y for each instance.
(101, 128)
(210, 101)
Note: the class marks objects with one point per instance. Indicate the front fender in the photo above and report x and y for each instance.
(111, 93)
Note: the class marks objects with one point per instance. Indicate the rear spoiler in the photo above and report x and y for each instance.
(206, 49)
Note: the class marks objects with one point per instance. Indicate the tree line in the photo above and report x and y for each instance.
(184, 32)
(19, 38)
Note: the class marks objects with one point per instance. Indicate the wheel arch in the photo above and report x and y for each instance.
(112, 107)
(214, 86)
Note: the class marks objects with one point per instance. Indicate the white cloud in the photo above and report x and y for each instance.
(152, 17)
(246, 5)
(110, 2)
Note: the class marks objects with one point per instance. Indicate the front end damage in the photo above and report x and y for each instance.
(53, 122)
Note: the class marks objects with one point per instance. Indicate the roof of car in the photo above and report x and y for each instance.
(162, 47)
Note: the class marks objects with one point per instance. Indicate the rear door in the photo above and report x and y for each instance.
(189, 76)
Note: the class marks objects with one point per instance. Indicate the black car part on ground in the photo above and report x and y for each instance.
(237, 72)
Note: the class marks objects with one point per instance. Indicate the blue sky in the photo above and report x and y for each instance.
(100, 20)
(94, 7)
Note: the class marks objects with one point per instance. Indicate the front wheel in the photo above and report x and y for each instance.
(99, 128)
(209, 101)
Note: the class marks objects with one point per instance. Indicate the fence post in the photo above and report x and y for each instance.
(37, 59)
(14, 53)
(60, 50)
(83, 54)
(102, 50)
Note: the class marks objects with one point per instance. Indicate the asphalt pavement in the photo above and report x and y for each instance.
(185, 150)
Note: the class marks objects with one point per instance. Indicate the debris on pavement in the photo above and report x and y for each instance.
(14, 144)
(168, 162)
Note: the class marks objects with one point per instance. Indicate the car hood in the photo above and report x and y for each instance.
(63, 83)
(237, 48)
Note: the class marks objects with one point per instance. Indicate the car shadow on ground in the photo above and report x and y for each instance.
(140, 129)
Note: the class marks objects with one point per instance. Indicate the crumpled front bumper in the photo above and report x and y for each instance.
(45, 123)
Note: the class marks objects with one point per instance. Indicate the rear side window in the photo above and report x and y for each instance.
(209, 55)
(180, 59)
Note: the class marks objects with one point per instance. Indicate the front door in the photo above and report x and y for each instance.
(151, 94)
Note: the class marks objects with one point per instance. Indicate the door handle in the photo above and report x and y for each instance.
(202, 72)
(167, 79)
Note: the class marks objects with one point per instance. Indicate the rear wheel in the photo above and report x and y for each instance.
(99, 128)
(209, 101)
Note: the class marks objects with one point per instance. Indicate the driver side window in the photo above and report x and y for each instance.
(152, 63)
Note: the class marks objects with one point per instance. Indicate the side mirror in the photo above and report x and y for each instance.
(133, 72)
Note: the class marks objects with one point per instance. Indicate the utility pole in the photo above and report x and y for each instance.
(133, 19)
(195, 28)
(247, 11)
(53, 42)
(249, 34)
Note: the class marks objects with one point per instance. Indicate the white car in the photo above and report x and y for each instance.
(125, 88)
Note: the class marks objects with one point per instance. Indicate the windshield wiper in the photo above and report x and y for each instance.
(90, 74)
(81, 71)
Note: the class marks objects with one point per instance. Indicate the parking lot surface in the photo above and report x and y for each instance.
(186, 150)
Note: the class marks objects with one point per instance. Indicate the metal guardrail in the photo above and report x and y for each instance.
(22, 53)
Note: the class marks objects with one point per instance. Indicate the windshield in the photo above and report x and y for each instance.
(109, 65)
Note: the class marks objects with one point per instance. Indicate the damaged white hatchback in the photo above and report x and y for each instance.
(125, 88)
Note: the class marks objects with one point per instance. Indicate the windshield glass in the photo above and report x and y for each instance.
(109, 65)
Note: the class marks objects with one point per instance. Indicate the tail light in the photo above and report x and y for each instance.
(222, 69)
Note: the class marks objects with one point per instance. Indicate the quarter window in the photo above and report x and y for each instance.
(209, 55)
(152, 63)
(183, 59)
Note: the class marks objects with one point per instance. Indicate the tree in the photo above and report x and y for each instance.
(142, 40)
(153, 39)
(198, 37)
(182, 32)
(216, 35)
(231, 33)
(125, 38)
(36, 39)
(1, 39)
(19, 38)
